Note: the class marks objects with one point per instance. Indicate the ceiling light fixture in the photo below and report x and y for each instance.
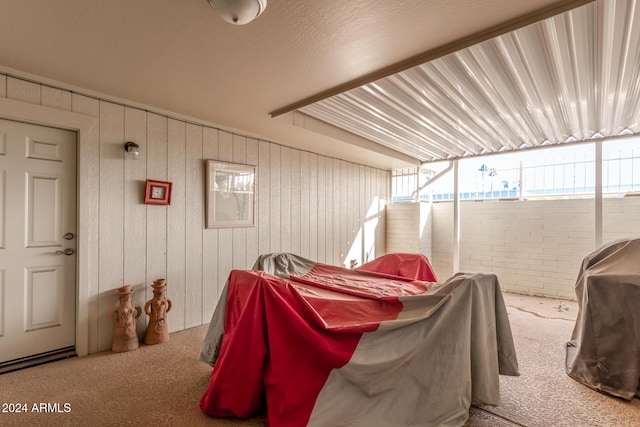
(239, 12)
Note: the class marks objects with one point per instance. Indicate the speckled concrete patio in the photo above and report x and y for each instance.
(544, 395)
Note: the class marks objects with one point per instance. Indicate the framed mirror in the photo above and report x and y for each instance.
(230, 194)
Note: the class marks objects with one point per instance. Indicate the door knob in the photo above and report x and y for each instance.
(67, 251)
(68, 236)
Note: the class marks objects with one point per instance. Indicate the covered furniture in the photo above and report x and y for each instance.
(319, 345)
(604, 351)
(413, 266)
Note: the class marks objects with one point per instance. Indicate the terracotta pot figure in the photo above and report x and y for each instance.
(157, 309)
(124, 316)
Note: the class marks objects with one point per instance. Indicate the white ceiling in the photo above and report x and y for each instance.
(180, 57)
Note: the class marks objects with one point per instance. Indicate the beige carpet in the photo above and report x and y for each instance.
(157, 385)
(161, 385)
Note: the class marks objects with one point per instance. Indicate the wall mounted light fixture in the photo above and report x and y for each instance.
(239, 12)
(132, 150)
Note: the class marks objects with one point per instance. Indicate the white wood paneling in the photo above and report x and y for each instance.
(370, 220)
(56, 98)
(176, 227)
(305, 178)
(295, 201)
(225, 235)
(312, 207)
(135, 212)
(347, 222)
(89, 107)
(362, 215)
(210, 265)
(275, 190)
(156, 214)
(305, 203)
(194, 220)
(321, 206)
(352, 208)
(338, 212)
(111, 185)
(3, 86)
(88, 224)
(265, 189)
(252, 232)
(239, 234)
(3, 143)
(345, 213)
(384, 188)
(329, 214)
(285, 199)
(22, 90)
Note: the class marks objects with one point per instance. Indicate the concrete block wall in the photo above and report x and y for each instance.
(535, 247)
(403, 226)
(620, 218)
(426, 225)
(442, 240)
(408, 228)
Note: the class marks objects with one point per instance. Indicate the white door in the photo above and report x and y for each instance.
(37, 240)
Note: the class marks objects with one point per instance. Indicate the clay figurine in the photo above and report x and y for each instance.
(125, 337)
(157, 309)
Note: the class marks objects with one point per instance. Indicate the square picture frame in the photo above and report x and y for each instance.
(157, 192)
(230, 191)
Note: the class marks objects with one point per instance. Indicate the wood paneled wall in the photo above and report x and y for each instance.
(306, 203)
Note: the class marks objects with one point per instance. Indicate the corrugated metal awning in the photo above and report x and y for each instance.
(573, 77)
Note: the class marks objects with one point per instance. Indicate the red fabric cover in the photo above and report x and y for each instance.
(360, 283)
(401, 265)
(282, 340)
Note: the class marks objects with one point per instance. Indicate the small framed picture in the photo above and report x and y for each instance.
(157, 192)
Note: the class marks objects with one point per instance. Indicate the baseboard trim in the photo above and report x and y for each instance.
(37, 359)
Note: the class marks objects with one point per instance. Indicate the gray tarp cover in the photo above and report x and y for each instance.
(418, 370)
(604, 351)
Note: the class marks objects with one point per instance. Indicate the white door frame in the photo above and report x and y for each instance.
(87, 197)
